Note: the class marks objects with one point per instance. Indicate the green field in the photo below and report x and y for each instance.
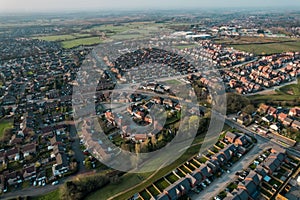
(49, 196)
(271, 48)
(5, 124)
(82, 41)
(188, 46)
(285, 93)
(53, 38)
(173, 82)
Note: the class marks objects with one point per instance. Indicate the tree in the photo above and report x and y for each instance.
(236, 103)
(249, 109)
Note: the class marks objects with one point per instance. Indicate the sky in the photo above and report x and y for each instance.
(86, 5)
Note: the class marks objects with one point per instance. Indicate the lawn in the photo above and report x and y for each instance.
(173, 82)
(161, 184)
(188, 46)
(293, 89)
(82, 41)
(269, 48)
(144, 194)
(49, 196)
(4, 125)
(152, 190)
(172, 178)
(285, 93)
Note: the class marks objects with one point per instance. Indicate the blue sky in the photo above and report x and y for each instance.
(85, 5)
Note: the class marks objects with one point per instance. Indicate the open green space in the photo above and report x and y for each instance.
(82, 41)
(49, 196)
(173, 82)
(187, 46)
(285, 93)
(53, 38)
(4, 125)
(269, 48)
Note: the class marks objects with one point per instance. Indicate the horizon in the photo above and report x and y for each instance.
(67, 6)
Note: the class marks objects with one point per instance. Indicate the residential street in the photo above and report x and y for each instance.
(220, 184)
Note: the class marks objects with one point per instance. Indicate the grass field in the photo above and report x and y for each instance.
(285, 93)
(49, 196)
(188, 46)
(266, 49)
(82, 41)
(53, 38)
(5, 124)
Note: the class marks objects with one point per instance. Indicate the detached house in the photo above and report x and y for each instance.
(61, 166)
(29, 172)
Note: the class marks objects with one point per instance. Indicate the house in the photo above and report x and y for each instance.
(250, 187)
(244, 119)
(204, 170)
(198, 176)
(274, 161)
(253, 176)
(287, 121)
(213, 165)
(29, 172)
(230, 137)
(261, 171)
(296, 125)
(56, 140)
(13, 154)
(12, 178)
(29, 149)
(228, 151)
(61, 166)
(272, 111)
(242, 140)
(295, 112)
(282, 116)
(263, 108)
(193, 181)
(178, 189)
(220, 157)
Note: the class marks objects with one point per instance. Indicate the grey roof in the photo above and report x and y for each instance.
(230, 135)
(220, 157)
(182, 185)
(197, 175)
(242, 194)
(254, 177)
(204, 170)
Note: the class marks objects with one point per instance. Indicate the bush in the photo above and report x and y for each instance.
(82, 186)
